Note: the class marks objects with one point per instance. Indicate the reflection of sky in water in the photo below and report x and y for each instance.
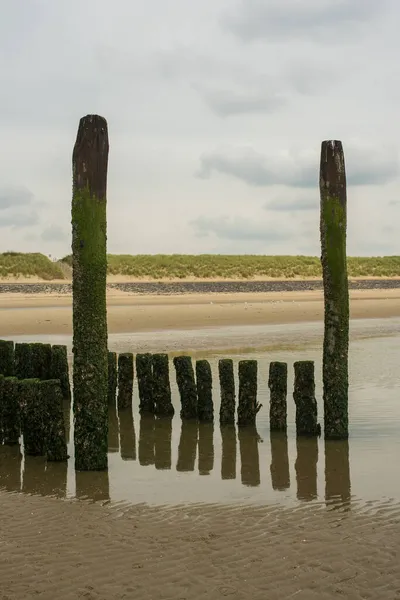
(164, 462)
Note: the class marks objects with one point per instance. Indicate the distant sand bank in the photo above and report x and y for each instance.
(51, 314)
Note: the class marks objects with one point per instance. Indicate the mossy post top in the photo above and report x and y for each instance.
(90, 156)
(332, 170)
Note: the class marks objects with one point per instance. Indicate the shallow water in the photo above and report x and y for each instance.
(168, 462)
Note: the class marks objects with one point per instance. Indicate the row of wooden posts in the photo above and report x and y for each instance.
(89, 262)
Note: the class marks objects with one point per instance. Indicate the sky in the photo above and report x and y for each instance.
(216, 111)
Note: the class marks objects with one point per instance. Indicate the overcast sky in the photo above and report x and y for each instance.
(216, 111)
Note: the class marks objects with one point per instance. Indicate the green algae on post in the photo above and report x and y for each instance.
(125, 380)
(89, 271)
(144, 372)
(10, 410)
(277, 383)
(33, 417)
(51, 398)
(333, 225)
(23, 365)
(60, 370)
(304, 398)
(187, 386)
(227, 386)
(41, 360)
(112, 377)
(248, 406)
(7, 358)
(205, 408)
(161, 386)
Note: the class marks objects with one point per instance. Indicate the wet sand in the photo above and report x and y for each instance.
(50, 314)
(61, 549)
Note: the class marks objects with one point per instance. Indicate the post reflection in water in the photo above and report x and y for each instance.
(55, 479)
(92, 485)
(10, 468)
(146, 439)
(34, 475)
(228, 460)
(306, 467)
(337, 473)
(249, 456)
(187, 446)
(206, 448)
(67, 419)
(162, 446)
(280, 475)
(113, 438)
(127, 437)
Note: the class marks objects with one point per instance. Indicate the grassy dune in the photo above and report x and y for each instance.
(205, 266)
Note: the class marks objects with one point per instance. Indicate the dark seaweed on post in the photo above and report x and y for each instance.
(161, 386)
(248, 406)
(144, 372)
(187, 386)
(227, 386)
(125, 380)
(205, 406)
(277, 383)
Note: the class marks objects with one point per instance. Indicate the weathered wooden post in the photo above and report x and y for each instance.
(41, 360)
(229, 451)
(227, 386)
(205, 408)
(248, 406)
(187, 446)
(23, 365)
(304, 398)
(249, 456)
(60, 370)
(89, 264)
(144, 373)
(187, 386)
(206, 448)
(112, 377)
(162, 445)
(33, 417)
(127, 434)
(125, 380)
(10, 410)
(306, 468)
(277, 383)
(280, 474)
(7, 358)
(161, 386)
(333, 225)
(51, 398)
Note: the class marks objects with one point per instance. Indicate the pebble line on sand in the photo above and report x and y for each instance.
(199, 287)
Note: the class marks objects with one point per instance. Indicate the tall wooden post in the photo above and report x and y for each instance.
(89, 233)
(333, 226)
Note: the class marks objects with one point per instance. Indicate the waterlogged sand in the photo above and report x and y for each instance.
(61, 549)
(51, 314)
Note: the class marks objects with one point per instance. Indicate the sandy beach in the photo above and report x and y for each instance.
(51, 314)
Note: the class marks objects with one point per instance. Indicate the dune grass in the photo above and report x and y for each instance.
(19, 264)
(217, 266)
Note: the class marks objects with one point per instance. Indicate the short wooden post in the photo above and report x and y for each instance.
(41, 360)
(161, 386)
(304, 398)
(144, 373)
(228, 396)
(89, 307)
(277, 383)
(33, 417)
(60, 369)
(10, 410)
(112, 378)
(51, 397)
(23, 364)
(333, 226)
(187, 386)
(248, 406)
(7, 358)
(125, 380)
(205, 407)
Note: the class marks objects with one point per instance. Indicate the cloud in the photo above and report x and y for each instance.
(18, 220)
(228, 102)
(298, 204)
(364, 166)
(325, 20)
(53, 233)
(237, 228)
(15, 196)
